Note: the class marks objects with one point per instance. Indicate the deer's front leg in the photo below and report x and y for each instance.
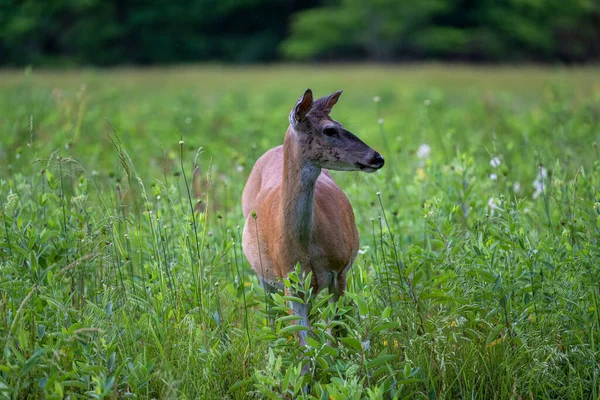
(301, 310)
(337, 287)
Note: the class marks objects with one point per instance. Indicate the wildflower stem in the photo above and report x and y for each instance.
(194, 225)
(241, 280)
(376, 259)
(262, 271)
(64, 211)
(5, 227)
(545, 197)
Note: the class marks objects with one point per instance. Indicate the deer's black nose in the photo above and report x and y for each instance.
(377, 161)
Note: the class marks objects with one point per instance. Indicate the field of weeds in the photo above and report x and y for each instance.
(122, 273)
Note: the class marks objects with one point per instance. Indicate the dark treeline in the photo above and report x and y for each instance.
(110, 32)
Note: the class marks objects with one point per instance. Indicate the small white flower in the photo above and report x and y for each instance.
(539, 183)
(158, 197)
(427, 102)
(376, 99)
(494, 177)
(239, 168)
(423, 151)
(517, 187)
(380, 121)
(543, 172)
(494, 204)
(495, 162)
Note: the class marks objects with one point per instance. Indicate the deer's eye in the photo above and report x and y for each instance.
(330, 131)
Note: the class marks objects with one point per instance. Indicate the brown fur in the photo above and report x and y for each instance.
(334, 238)
(302, 216)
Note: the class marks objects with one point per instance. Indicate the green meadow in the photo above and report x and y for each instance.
(122, 273)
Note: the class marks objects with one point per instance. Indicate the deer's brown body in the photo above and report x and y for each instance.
(302, 216)
(327, 243)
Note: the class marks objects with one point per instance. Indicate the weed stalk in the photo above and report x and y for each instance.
(5, 227)
(195, 228)
(241, 280)
(265, 283)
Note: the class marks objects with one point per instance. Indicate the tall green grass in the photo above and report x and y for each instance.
(478, 273)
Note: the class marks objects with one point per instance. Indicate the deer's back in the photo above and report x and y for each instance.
(264, 178)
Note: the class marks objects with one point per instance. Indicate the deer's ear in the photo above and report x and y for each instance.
(302, 107)
(331, 101)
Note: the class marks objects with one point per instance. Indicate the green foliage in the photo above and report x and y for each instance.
(388, 29)
(122, 32)
(94, 32)
(477, 275)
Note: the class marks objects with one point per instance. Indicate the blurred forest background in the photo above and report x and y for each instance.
(102, 32)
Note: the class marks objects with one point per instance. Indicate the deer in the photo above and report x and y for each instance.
(294, 211)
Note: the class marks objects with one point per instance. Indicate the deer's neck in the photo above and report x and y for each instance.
(297, 194)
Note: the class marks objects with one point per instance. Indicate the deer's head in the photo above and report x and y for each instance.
(324, 142)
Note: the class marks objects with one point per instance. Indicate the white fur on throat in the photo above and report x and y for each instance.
(302, 224)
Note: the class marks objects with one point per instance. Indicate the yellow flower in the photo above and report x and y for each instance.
(421, 175)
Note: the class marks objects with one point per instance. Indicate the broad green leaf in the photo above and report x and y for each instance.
(292, 329)
(352, 342)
